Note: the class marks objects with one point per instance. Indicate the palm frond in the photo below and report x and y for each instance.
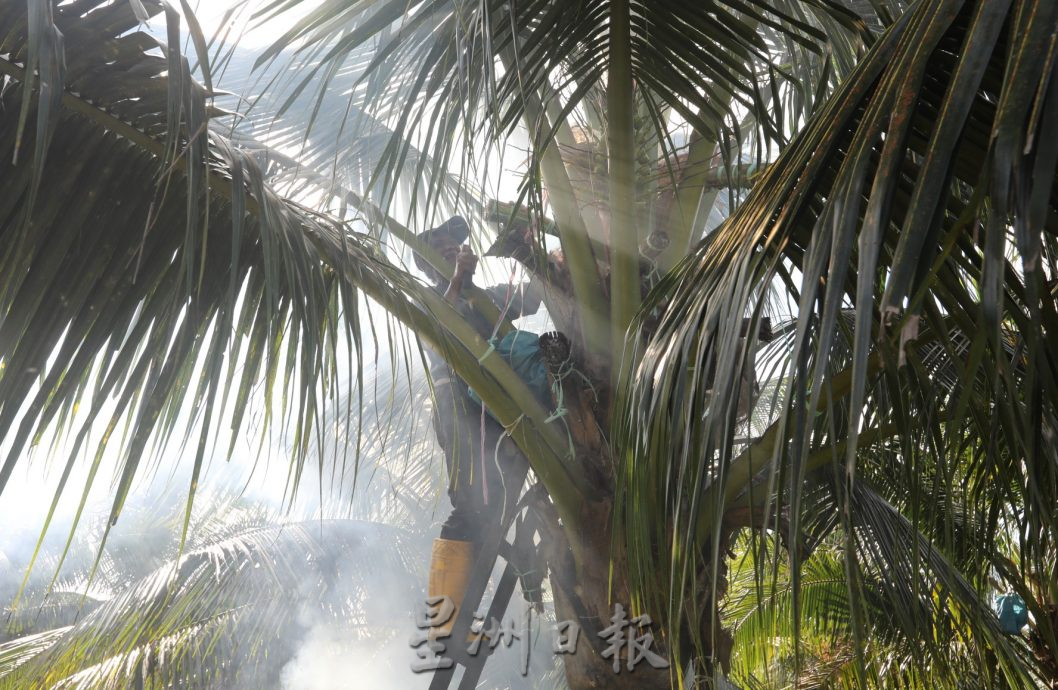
(905, 196)
(176, 273)
(214, 614)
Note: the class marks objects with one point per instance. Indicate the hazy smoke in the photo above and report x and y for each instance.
(328, 660)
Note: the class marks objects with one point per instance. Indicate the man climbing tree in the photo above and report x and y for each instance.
(485, 468)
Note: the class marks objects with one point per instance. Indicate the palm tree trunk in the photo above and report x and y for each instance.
(587, 592)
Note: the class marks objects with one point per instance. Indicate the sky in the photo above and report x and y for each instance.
(236, 15)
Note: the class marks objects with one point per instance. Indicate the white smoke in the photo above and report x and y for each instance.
(329, 660)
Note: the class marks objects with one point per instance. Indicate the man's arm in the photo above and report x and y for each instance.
(524, 298)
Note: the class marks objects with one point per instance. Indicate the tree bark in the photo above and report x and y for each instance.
(582, 593)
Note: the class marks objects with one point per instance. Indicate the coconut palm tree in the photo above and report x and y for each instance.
(148, 260)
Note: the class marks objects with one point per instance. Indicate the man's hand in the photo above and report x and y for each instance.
(466, 262)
